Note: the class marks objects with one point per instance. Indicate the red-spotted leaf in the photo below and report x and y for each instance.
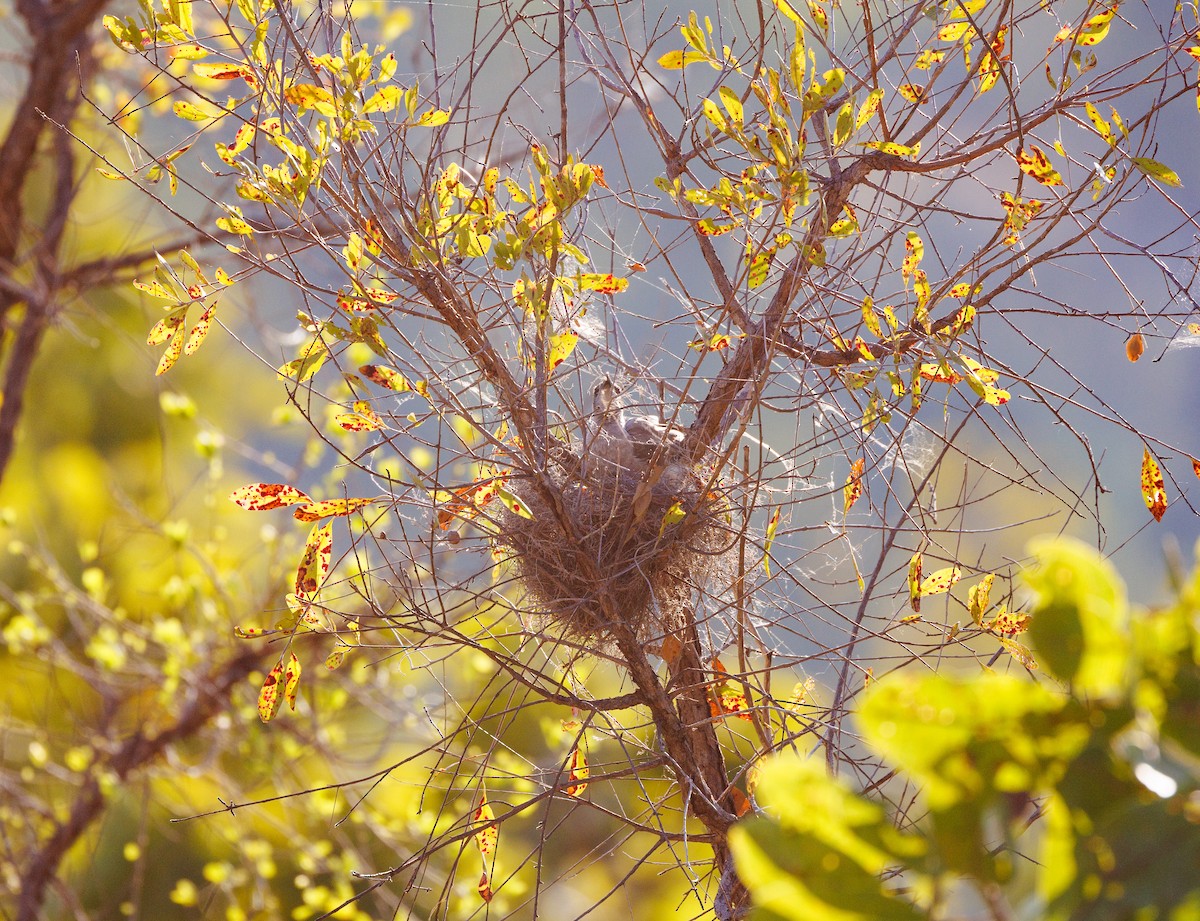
(251, 632)
(167, 327)
(363, 419)
(260, 497)
(315, 563)
(914, 251)
(327, 508)
(940, 581)
(1033, 162)
(511, 501)
(602, 283)
(1092, 32)
(385, 377)
(200, 330)
(171, 355)
(1008, 623)
(870, 317)
(486, 837)
(291, 680)
(269, 697)
(1154, 490)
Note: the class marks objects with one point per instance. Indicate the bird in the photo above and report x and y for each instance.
(627, 442)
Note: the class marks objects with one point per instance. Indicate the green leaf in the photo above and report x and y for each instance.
(822, 850)
(1158, 172)
(1079, 627)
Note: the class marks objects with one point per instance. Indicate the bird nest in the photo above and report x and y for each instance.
(607, 554)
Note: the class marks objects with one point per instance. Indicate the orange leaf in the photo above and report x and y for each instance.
(485, 887)
(741, 802)
(1135, 346)
(268, 698)
(579, 773)
(1154, 491)
(314, 564)
(315, 511)
(260, 497)
(853, 488)
(1196, 467)
(672, 648)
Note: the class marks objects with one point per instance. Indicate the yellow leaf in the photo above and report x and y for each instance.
(772, 527)
(672, 515)
(676, 60)
(269, 698)
(433, 118)
(316, 560)
(979, 597)
(914, 581)
(870, 317)
(914, 252)
(291, 680)
(869, 108)
(486, 838)
(602, 282)
(940, 581)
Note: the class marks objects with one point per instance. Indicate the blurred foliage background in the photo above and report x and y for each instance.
(127, 710)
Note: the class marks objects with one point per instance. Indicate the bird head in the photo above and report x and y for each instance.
(604, 394)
